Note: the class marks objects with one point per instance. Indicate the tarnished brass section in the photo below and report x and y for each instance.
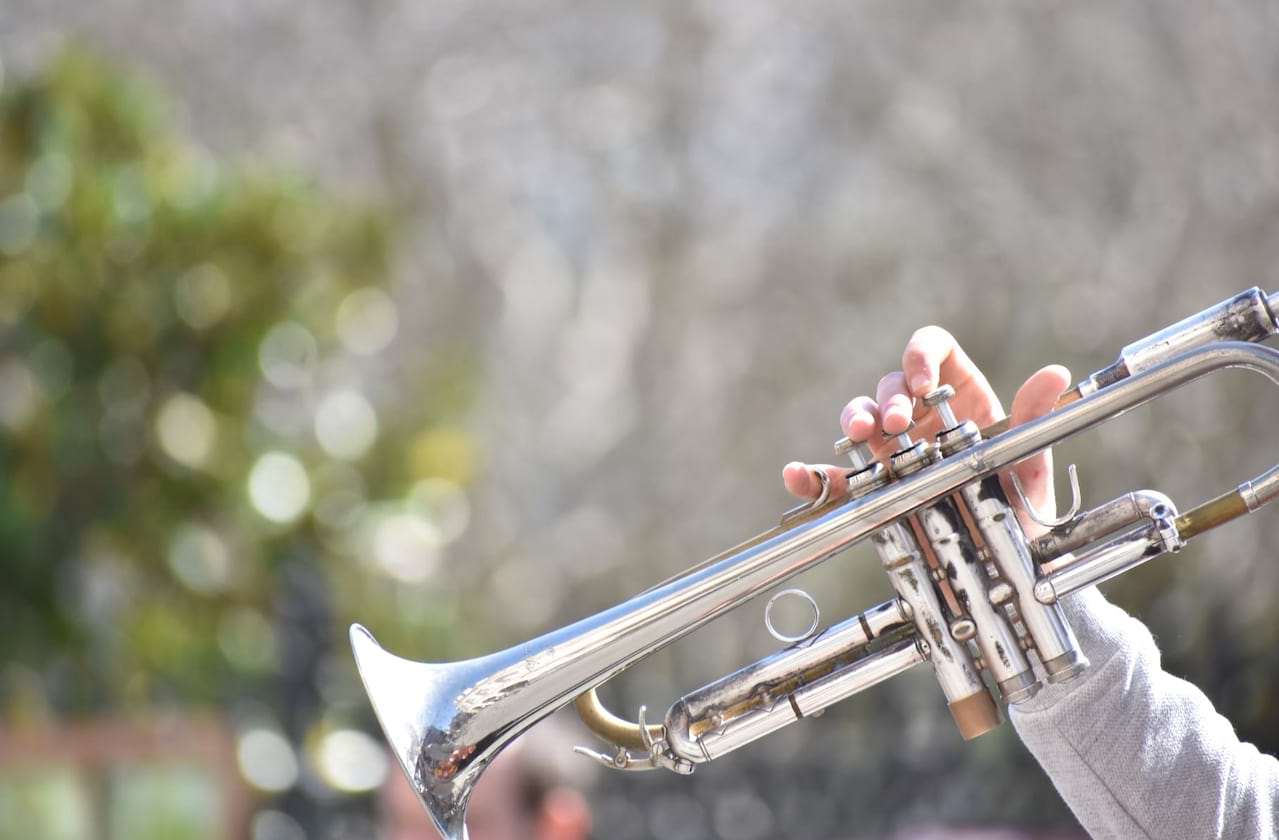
(1001, 426)
(975, 715)
(609, 726)
(1210, 514)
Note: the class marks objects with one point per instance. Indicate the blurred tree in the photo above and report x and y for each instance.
(196, 457)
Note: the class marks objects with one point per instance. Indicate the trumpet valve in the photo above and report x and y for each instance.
(939, 401)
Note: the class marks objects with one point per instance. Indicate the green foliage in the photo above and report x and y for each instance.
(144, 372)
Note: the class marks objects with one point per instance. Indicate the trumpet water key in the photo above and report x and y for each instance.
(975, 598)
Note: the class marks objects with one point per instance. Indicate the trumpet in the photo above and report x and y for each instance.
(976, 599)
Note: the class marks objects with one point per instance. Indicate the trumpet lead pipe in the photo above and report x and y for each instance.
(1227, 507)
(1230, 505)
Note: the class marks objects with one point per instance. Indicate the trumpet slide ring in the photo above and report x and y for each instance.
(782, 637)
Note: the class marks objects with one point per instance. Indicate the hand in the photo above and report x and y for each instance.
(933, 358)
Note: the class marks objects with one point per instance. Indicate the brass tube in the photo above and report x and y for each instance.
(609, 726)
(1226, 507)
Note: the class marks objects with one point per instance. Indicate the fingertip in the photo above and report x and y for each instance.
(1039, 394)
(1062, 373)
(861, 426)
(922, 358)
(859, 418)
(896, 417)
(798, 479)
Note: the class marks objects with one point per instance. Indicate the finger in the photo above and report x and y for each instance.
(1039, 394)
(1036, 397)
(933, 356)
(860, 419)
(800, 480)
(896, 407)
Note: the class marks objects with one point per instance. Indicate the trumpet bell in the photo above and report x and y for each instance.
(416, 705)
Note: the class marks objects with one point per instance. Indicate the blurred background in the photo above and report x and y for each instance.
(466, 320)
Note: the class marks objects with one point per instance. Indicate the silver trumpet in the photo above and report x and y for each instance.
(976, 599)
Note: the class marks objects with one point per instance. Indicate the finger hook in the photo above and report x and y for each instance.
(1040, 519)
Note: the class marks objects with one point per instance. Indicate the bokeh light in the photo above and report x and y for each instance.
(405, 545)
(279, 488)
(49, 181)
(19, 394)
(200, 559)
(288, 355)
(246, 639)
(19, 217)
(202, 296)
(445, 503)
(187, 430)
(275, 825)
(367, 321)
(351, 761)
(345, 424)
(267, 761)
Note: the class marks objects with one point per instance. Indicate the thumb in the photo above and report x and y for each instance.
(1034, 399)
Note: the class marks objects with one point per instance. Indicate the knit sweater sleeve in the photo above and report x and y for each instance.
(1138, 753)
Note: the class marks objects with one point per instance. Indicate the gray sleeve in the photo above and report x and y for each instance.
(1138, 753)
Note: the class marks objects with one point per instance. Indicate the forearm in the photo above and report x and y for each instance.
(1136, 752)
